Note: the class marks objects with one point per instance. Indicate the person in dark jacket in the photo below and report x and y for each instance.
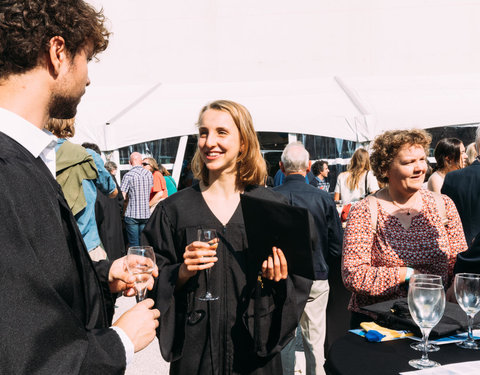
(295, 164)
(463, 187)
(56, 303)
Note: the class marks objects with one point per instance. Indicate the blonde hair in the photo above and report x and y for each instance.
(251, 167)
(359, 164)
(471, 153)
(61, 128)
(153, 163)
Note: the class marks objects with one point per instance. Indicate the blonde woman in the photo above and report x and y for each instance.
(243, 331)
(358, 181)
(472, 154)
(159, 189)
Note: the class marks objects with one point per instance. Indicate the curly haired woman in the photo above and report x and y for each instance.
(409, 234)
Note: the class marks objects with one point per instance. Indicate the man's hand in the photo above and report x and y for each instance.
(275, 267)
(120, 280)
(139, 323)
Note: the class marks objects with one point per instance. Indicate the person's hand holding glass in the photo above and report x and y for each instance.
(426, 302)
(199, 255)
(122, 281)
(140, 263)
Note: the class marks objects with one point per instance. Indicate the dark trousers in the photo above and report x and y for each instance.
(134, 228)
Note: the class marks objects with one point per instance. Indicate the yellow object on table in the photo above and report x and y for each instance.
(388, 334)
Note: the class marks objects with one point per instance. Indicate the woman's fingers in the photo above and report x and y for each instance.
(275, 266)
(199, 256)
(283, 264)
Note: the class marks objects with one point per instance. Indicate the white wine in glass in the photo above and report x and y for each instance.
(140, 263)
(467, 291)
(426, 302)
(209, 236)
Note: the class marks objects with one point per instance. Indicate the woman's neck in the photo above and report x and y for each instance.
(224, 185)
(399, 196)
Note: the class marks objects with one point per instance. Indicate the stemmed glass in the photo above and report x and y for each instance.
(140, 263)
(209, 236)
(426, 302)
(433, 279)
(467, 291)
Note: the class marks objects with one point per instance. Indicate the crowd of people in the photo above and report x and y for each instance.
(65, 224)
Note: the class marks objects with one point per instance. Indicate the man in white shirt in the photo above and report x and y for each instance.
(56, 304)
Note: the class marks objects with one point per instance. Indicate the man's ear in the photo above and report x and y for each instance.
(56, 55)
(281, 167)
(309, 166)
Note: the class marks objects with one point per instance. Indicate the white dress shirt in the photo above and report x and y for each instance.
(41, 143)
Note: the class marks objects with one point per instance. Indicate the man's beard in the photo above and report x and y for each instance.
(63, 107)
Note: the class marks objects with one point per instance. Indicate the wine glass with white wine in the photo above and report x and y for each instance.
(140, 262)
(467, 291)
(426, 302)
(210, 237)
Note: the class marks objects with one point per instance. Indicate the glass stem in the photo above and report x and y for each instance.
(207, 280)
(470, 325)
(141, 294)
(425, 335)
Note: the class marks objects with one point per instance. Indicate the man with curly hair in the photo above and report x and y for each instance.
(56, 304)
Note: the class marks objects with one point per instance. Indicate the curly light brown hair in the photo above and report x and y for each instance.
(251, 167)
(27, 26)
(61, 128)
(386, 146)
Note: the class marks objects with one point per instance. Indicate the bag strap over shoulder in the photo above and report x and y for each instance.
(372, 203)
(442, 210)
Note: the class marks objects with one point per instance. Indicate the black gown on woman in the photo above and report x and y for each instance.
(243, 331)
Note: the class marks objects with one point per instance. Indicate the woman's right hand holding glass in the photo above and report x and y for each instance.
(197, 256)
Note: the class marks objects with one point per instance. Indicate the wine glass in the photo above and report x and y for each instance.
(140, 263)
(434, 279)
(426, 302)
(209, 236)
(467, 291)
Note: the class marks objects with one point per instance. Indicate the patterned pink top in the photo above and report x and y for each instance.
(371, 264)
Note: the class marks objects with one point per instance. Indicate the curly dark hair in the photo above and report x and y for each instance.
(26, 27)
(317, 167)
(386, 146)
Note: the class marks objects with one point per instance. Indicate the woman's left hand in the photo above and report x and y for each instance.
(275, 267)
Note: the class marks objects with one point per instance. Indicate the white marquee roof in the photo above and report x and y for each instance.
(345, 69)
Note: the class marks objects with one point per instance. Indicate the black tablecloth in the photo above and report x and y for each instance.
(353, 355)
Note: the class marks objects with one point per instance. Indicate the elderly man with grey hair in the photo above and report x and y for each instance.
(295, 164)
(463, 187)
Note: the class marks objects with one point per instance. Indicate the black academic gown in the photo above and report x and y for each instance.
(54, 307)
(108, 215)
(244, 331)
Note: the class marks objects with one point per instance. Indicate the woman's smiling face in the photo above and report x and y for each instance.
(408, 168)
(219, 141)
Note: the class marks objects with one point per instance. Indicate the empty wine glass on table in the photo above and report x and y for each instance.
(426, 302)
(210, 237)
(467, 291)
(140, 262)
(434, 279)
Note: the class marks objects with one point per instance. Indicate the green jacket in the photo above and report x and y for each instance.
(74, 164)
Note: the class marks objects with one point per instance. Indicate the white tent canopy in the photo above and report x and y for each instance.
(344, 69)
